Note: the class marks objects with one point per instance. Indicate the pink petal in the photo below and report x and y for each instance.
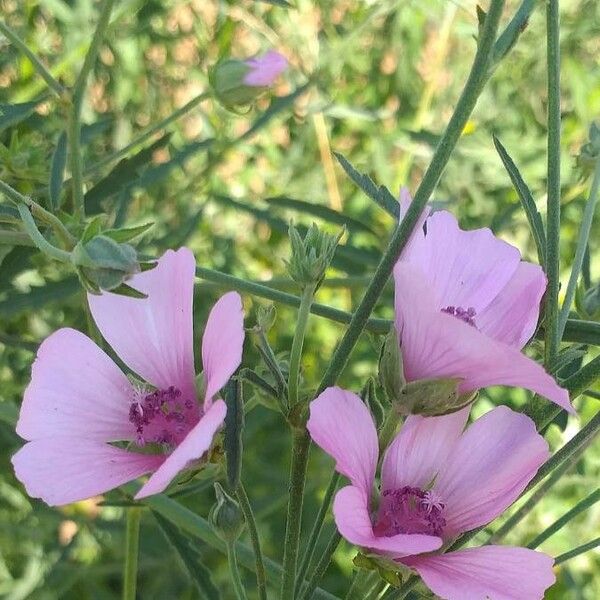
(77, 390)
(464, 268)
(436, 345)
(265, 69)
(512, 316)
(420, 448)
(68, 469)
(153, 336)
(193, 447)
(342, 425)
(222, 343)
(351, 513)
(497, 572)
(489, 467)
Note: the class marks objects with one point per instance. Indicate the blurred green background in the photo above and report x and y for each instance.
(389, 73)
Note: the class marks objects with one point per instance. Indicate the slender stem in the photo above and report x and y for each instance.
(40, 213)
(261, 577)
(403, 590)
(296, 353)
(582, 242)
(74, 120)
(464, 107)
(300, 452)
(321, 567)
(42, 71)
(577, 551)
(553, 202)
(580, 507)
(148, 133)
(251, 377)
(234, 572)
(132, 544)
(38, 239)
(315, 533)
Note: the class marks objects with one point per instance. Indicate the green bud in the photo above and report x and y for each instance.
(225, 516)
(433, 397)
(389, 570)
(590, 151)
(391, 371)
(369, 397)
(312, 255)
(227, 81)
(104, 264)
(265, 317)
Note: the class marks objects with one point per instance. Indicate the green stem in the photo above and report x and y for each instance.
(41, 214)
(582, 242)
(300, 452)
(553, 201)
(403, 590)
(38, 239)
(234, 572)
(261, 577)
(462, 112)
(148, 133)
(577, 551)
(20, 45)
(74, 119)
(132, 543)
(319, 571)
(568, 516)
(315, 533)
(14, 238)
(298, 342)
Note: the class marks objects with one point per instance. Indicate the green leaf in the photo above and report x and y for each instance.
(11, 114)
(282, 3)
(234, 426)
(379, 194)
(322, 212)
(533, 216)
(127, 290)
(190, 558)
(36, 298)
(93, 228)
(508, 38)
(57, 171)
(127, 233)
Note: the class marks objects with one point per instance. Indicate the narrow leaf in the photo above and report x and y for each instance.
(38, 297)
(533, 215)
(57, 171)
(190, 558)
(234, 425)
(11, 114)
(127, 233)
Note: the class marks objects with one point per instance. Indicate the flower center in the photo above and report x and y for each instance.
(409, 510)
(162, 417)
(468, 315)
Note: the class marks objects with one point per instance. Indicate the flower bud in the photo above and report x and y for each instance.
(265, 317)
(239, 82)
(391, 371)
(104, 264)
(226, 516)
(312, 255)
(432, 397)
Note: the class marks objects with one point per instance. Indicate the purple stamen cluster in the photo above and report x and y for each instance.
(468, 315)
(409, 510)
(160, 417)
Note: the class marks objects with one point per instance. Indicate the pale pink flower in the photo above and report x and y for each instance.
(436, 483)
(265, 69)
(79, 402)
(465, 305)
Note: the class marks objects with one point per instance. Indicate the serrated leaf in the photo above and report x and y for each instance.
(190, 558)
(379, 194)
(11, 114)
(127, 233)
(527, 201)
(322, 212)
(57, 171)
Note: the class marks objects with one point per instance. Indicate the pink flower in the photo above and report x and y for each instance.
(466, 304)
(79, 402)
(265, 69)
(436, 483)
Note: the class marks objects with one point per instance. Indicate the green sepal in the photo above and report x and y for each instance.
(433, 397)
(389, 570)
(391, 369)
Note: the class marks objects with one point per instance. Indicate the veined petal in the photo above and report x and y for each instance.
(193, 447)
(342, 426)
(62, 470)
(423, 444)
(512, 316)
(75, 389)
(154, 336)
(435, 344)
(489, 467)
(351, 513)
(498, 572)
(464, 268)
(222, 343)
